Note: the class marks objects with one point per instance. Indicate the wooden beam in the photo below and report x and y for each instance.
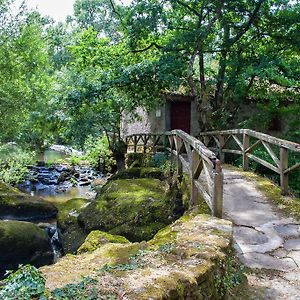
(271, 153)
(294, 167)
(246, 141)
(264, 163)
(284, 163)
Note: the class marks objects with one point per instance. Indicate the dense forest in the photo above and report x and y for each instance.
(70, 82)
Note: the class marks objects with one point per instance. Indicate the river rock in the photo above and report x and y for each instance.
(134, 208)
(15, 205)
(73, 234)
(23, 243)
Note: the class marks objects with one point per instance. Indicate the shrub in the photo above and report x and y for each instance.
(14, 163)
(26, 283)
(98, 154)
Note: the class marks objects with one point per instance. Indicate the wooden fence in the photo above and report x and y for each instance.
(244, 141)
(191, 156)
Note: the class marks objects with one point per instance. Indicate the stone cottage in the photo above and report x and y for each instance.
(176, 112)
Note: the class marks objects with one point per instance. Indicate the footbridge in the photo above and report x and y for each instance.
(202, 157)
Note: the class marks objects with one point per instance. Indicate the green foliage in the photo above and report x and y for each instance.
(14, 163)
(86, 289)
(98, 153)
(24, 284)
(230, 276)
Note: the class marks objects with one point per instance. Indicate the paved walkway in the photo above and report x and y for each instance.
(264, 239)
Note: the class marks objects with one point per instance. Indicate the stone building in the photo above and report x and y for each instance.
(176, 112)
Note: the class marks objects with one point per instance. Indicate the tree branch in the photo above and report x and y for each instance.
(248, 24)
(198, 14)
(153, 44)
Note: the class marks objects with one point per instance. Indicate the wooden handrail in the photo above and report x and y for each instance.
(192, 157)
(279, 164)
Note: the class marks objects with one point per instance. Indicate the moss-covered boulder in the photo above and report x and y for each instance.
(145, 172)
(73, 235)
(23, 243)
(190, 259)
(15, 205)
(134, 208)
(98, 238)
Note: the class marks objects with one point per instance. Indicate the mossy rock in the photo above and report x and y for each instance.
(72, 234)
(69, 211)
(98, 238)
(15, 205)
(189, 259)
(23, 243)
(134, 173)
(134, 208)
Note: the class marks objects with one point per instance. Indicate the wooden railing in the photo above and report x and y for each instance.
(191, 156)
(244, 141)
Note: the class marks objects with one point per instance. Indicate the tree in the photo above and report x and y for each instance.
(101, 15)
(218, 45)
(25, 84)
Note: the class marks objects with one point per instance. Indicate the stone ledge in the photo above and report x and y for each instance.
(183, 261)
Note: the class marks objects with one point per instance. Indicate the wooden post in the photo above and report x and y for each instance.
(135, 144)
(194, 174)
(206, 140)
(194, 194)
(145, 144)
(282, 167)
(217, 196)
(246, 143)
(222, 142)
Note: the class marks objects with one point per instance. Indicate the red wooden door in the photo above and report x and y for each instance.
(181, 116)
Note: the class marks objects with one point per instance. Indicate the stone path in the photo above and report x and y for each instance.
(264, 239)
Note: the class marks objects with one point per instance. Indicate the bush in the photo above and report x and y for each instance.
(98, 154)
(14, 163)
(26, 283)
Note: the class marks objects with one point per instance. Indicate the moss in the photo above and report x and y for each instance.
(134, 208)
(68, 211)
(97, 238)
(289, 205)
(170, 266)
(145, 172)
(17, 205)
(73, 234)
(23, 243)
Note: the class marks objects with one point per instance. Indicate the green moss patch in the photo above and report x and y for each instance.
(97, 238)
(134, 208)
(22, 243)
(20, 206)
(145, 172)
(73, 235)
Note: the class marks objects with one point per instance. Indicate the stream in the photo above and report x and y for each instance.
(58, 182)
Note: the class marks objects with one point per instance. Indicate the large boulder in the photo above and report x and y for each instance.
(15, 205)
(23, 243)
(72, 234)
(134, 208)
